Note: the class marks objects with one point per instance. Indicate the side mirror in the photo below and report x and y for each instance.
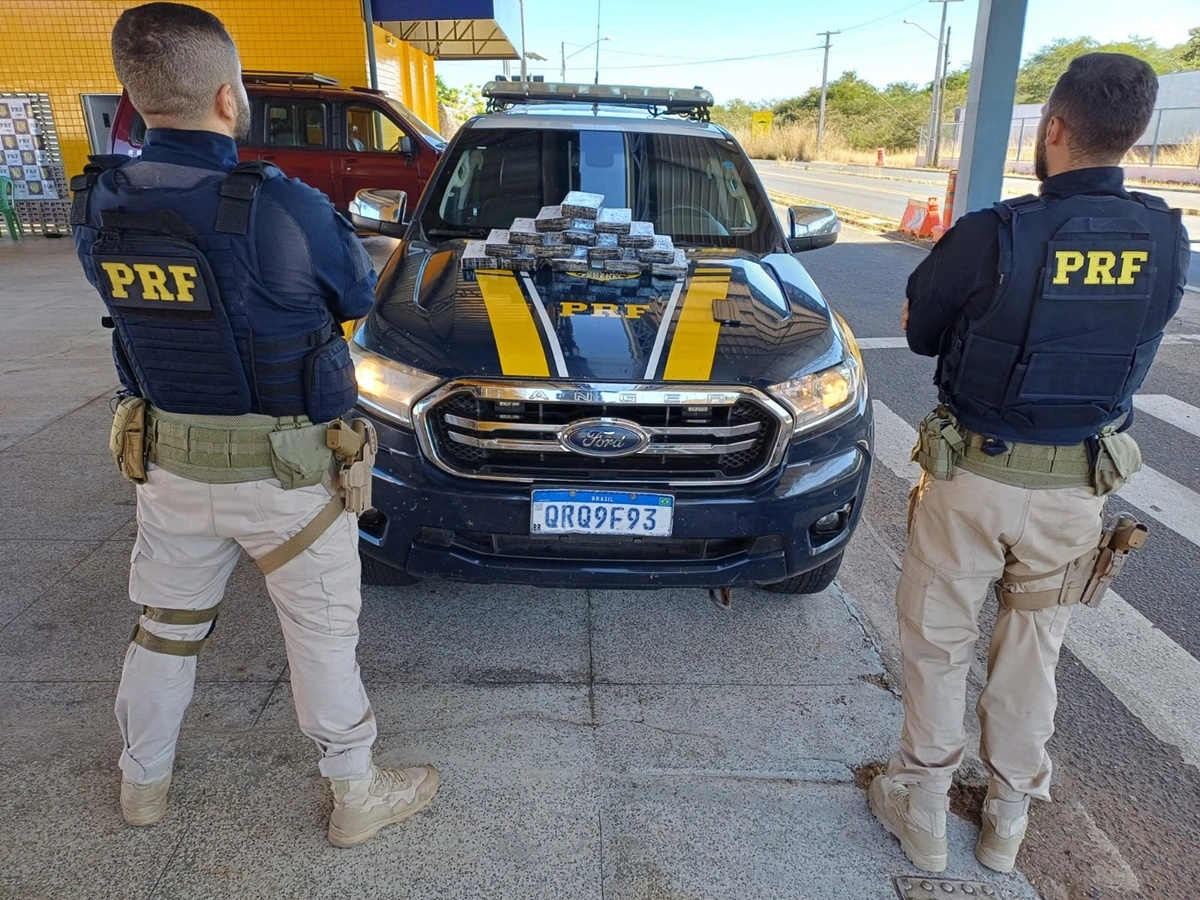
(811, 227)
(406, 146)
(380, 211)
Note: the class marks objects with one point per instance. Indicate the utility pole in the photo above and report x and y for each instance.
(937, 135)
(824, 88)
(562, 72)
(597, 81)
(935, 98)
(524, 71)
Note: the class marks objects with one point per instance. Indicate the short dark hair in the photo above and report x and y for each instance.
(1105, 100)
(172, 59)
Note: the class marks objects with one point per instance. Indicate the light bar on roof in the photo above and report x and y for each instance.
(523, 91)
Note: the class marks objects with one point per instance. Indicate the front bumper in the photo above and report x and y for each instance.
(431, 523)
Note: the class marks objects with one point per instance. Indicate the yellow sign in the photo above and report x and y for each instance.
(760, 123)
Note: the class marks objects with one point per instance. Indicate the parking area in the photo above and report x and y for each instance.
(592, 743)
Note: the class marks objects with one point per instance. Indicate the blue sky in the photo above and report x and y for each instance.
(676, 42)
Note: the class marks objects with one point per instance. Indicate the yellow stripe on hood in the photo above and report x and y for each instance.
(694, 346)
(517, 340)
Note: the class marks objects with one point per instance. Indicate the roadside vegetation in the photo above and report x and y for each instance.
(861, 118)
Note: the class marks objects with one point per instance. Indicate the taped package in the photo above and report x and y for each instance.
(552, 218)
(580, 205)
(614, 221)
(640, 235)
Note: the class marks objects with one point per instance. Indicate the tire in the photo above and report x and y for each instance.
(809, 582)
(381, 574)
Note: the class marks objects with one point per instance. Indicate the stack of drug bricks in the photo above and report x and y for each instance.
(578, 236)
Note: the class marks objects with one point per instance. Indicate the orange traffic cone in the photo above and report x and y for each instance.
(932, 217)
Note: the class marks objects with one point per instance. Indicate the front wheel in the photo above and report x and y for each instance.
(381, 574)
(809, 582)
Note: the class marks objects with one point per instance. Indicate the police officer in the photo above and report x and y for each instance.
(225, 285)
(1044, 314)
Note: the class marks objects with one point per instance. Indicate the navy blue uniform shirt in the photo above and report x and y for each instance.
(959, 275)
(308, 254)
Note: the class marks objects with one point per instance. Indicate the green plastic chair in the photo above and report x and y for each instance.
(7, 210)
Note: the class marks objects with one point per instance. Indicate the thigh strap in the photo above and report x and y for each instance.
(171, 646)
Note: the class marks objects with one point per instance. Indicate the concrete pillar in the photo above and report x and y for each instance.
(994, 65)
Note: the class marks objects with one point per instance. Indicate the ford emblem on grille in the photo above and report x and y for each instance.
(604, 437)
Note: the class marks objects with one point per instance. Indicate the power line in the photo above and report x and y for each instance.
(885, 16)
(724, 59)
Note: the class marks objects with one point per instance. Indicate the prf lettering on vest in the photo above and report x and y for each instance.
(604, 310)
(1097, 266)
(152, 281)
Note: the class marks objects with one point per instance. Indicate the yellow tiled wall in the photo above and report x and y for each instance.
(406, 72)
(62, 48)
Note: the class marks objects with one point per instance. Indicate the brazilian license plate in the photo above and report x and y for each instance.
(601, 512)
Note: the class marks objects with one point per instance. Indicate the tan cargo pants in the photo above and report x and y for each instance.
(190, 537)
(963, 534)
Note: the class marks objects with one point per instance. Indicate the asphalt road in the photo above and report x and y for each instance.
(1127, 790)
(886, 195)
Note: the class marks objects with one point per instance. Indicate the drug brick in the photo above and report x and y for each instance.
(551, 218)
(641, 234)
(614, 221)
(580, 205)
(661, 251)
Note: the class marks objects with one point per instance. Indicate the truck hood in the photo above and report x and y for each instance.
(734, 318)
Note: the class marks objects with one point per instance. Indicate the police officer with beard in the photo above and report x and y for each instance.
(225, 286)
(1044, 314)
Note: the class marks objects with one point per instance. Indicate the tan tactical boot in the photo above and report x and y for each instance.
(916, 819)
(361, 806)
(144, 804)
(1003, 828)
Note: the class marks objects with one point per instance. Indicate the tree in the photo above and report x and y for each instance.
(1189, 54)
(737, 113)
(1042, 70)
(865, 116)
(465, 101)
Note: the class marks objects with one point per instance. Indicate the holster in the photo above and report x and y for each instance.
(355, 445)
(127, 440)
(939, 445)
(1085, 579)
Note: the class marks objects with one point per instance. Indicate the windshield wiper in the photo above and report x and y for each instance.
(457, 232)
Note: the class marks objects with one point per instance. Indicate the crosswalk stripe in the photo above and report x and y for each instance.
(1154, 677)
(1182, 415)
(1150, 673)
(1159, 497)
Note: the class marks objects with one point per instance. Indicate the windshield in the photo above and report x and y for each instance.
(699, 190)
(409, 118)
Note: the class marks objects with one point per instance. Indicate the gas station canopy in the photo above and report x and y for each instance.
(453, 29)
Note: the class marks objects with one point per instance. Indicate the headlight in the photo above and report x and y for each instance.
(389, 387)
(817, 398)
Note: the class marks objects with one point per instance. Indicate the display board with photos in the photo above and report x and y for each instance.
(31, 158)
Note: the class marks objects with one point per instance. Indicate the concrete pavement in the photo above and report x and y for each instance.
(592, 743)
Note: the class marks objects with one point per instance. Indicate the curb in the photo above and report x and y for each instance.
(915, 175)
(888, 228)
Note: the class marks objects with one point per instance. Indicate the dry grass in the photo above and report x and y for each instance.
(798, 142)
(1185, 154)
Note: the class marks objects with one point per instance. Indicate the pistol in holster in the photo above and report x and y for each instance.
(1116, 543)
(939, 445)
(1084, 580)
(355, 445)
(127, 440)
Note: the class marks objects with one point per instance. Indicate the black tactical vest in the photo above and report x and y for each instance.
(171, 250)
(1085, 288)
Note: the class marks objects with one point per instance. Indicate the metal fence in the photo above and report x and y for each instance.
(1172, 139)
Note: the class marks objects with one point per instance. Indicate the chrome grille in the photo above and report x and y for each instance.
(511, 433)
